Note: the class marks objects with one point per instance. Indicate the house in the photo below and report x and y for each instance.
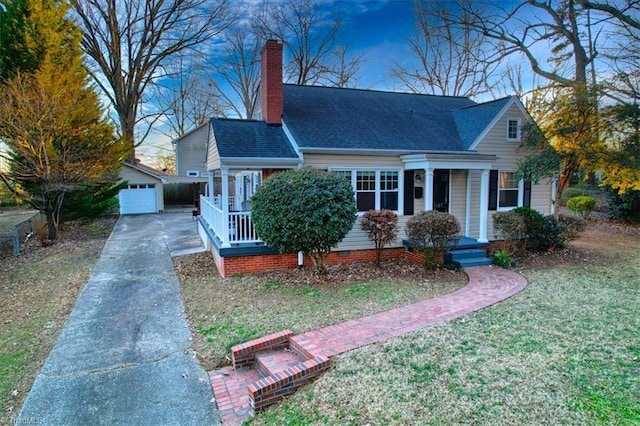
(144, 192)
(404, 152)
(191, 153)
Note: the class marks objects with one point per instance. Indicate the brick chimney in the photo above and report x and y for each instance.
(271, 82)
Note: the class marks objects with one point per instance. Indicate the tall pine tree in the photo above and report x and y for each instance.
(58, 140)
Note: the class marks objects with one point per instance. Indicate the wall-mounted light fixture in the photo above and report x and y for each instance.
(418, 179)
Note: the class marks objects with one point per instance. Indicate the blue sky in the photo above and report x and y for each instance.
(377, 28)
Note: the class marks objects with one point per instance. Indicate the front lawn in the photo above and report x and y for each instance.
(226, 311)
(37, 292)
(564, 351)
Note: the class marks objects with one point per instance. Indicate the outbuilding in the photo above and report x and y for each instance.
(144, 192)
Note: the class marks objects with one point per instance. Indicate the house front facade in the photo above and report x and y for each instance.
(404, 152)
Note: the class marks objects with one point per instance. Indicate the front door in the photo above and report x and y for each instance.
(441, 190)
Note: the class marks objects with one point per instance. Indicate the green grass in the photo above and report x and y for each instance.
(225, 312)
(37, 292)
(564, 351)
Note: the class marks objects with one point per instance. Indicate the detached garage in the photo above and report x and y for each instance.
(144, 193)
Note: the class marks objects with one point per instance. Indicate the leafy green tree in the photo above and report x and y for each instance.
(564, 140)
(57, 138)
(622, 125)
(306, 210)
(28, 30)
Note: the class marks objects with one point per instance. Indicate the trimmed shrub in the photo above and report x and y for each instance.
(542, 232)
(509, 226)
(582, 204)
(431, 233)
(306, 210)
(381, 227)
(573, 227)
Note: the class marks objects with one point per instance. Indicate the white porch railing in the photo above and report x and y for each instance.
(239, 224)
(233, 202)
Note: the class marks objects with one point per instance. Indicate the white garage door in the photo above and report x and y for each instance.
(141, 198)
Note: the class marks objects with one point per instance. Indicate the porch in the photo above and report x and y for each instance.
(230, 225)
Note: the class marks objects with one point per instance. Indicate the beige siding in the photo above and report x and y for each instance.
(508, 153)
(135, 177)
(357, 239)
(213, 157)
(191, 152)
(328, 161)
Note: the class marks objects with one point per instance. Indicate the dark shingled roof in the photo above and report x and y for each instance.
(250, 139)
(473, 120)
(338, 118)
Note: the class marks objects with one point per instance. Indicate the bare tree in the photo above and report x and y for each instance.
(186, 96)
(313, 38)
(129, 41)
(529, 28)
(627, 12)
(239, 68)
(449, 53)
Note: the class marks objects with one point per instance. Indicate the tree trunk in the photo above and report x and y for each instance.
(319, 260)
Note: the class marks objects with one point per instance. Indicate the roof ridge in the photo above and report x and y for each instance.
(248, 120)
(393, 92)
(478, 104)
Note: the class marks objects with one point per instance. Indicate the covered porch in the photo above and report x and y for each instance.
(226, 209)
(435, 170)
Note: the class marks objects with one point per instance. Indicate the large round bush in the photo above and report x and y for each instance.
(306, 210)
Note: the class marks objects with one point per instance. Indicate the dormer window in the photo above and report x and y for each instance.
(513, 130)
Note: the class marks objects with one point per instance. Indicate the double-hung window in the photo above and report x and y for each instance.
(374, 189)
(389, 190)
(366, 190)
(513, 129)
(508, 190)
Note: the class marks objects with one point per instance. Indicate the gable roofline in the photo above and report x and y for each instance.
(147, 170)
(195, 129)
(513, 100)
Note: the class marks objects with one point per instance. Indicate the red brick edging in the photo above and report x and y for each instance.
(241, 392)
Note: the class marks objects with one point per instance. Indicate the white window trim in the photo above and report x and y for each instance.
(518, 138)
(400, 210)
(193, 173)
(520, 192)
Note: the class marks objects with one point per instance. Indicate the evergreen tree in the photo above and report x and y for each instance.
(50, 119)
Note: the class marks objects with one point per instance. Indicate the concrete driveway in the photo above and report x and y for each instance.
(124, 355)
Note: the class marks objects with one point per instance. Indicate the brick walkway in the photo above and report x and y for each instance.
(487, 285)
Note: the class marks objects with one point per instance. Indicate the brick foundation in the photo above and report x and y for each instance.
(232, 265)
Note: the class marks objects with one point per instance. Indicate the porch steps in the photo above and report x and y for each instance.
(265, 371)
(467, 258)
(269, 363)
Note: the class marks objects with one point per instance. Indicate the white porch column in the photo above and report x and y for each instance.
(428, 189)
(467, 206)
(210, 190)
(484, 205)
(224, 232)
